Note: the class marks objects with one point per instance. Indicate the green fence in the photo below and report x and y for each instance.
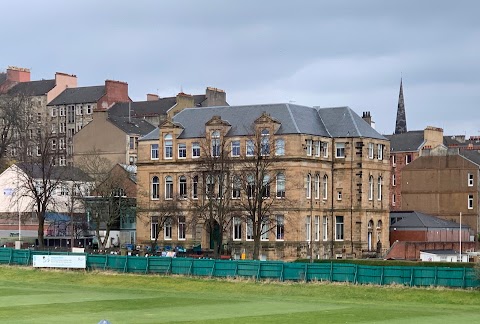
(259, 270)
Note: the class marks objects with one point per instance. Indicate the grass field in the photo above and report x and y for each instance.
(40, 296)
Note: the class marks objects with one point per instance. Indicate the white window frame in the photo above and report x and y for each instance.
(168, 146)
(308, 228)
(394, 199)
(308, 185)
(182, 150)
(279, 147)
(280, 228)
(182, 187)
(237, 228)
(470, 202)
(316, 186)
(182, 228)
(379, 152)
(195, 150)
(379, 188)
(324, 148)
(154, 152)
(249, 230)
(264, 230)
(325, 187)
(325, 228)
(406, 158)
(339, 228)
(235, 147)
(155, 187)
(195, 187)
(316, 145)
(250, 148)
(370, 187)
(470, 179)
(394, 160)
(309, 147)
(153, 227)
(339, 195)
(370, 150)
(394, 180)
(340, 150)
(167, 229)
(317, 228)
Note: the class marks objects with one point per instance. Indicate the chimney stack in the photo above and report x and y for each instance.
(152, 97)
(18, 74)
(366, 117)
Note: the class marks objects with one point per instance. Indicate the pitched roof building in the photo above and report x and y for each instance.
(325, 189)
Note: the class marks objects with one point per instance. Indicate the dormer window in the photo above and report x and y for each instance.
(168, 146)
(215, 143)
(265, 142)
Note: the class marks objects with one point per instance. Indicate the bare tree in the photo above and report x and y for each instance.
(14, 123)
(216, 206)
(108, 199)
(257, 174)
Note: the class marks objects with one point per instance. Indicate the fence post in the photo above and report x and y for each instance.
(213, 267)
(411, 276)
(169, 269)
(381, 277)
(147, 266)
(258, 272)
(282, 277)
(11, 257)
(464, 277)
(126, 264)
(435, 278)
(306, 272)
(331, 271)
(236, 268)
(355, 278)
(29, 256)
(106, 262)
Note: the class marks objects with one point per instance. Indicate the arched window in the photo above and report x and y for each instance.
(316, 187)
(379, 224)
(370, 188)
(195, 187)
(250, 186)
(182, 187)
(155, 188)
(325, 186)
(266, 187)
(168, 187)
(280, 185)
(379, 188)
(308, 185)
(370, 224)
(168, 146)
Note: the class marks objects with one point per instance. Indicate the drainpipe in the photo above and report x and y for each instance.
(331, 199)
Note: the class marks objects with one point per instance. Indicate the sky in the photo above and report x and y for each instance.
(313, 53)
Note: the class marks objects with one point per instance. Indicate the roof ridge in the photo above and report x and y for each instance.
(353, 120)
(323, 123)
(291, 116)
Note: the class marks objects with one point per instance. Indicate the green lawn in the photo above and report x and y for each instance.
(40, 296)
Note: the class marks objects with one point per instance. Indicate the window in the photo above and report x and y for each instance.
(131, 144)
(317, 145)
(89, 109)
(370, 188)
(79, 110)
(181, 228)
(168, 187)
(39, 150)
(370, 151)
(316, 187)
(167, 229)
(62, 111)
(266, 187)
(394, 200)
(394, 162)
(470, 180)
(249, 230)
(71, 114)
(280, 185)
(236, 187)
(195, 187)
(155, 188)
(279, 147)
(54, 128)
(63, 190)
(237, 228)
(250, 148)
(379, 188)
(317, 228)
(61, 143)
(380, 151)
(182, 187)
(154, 151)
(39, 118)
(339, 195)
(29, 151)
(325, 187)
(309, 147)
(394, 180)
(210, 187)
(215, 143)
(308, 229)
(195, 150)
(324, 147)
(63, 128)
(264, 230)
(265, 142)
(470, 201)
(325, 228)
(280, 228)
(408, 158)
(308, 186)
(250, 186)
(54, 144)
(154, 227)
(235, 148)
(62, 161)
(338, 228)
(54, 112)
(168, 146)
(339, 150)
(182, 151)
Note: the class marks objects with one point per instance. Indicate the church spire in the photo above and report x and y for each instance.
(401, 123)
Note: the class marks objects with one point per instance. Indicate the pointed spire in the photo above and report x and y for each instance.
(401, 123)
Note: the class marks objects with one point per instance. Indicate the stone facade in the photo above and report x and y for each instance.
(331, 194)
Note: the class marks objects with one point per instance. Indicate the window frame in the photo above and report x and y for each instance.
(236, 148)
(280, 228)
(182, 150)
(168, 187)
(340, 150)
(155, 188)
(470, 202)
(154, 152)
(195, 150)
(339, 228)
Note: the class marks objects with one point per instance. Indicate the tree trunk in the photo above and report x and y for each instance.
(256, 248)
(41, 225)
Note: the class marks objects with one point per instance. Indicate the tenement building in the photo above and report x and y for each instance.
(293, 180)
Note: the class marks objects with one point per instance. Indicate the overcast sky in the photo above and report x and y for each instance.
(314, 53)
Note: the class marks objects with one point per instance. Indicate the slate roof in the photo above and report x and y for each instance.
(78, 95)
(65, 173)
(471, 155)
(406, 142)
(417, 220)
(131, 170)
(150, 108)
(132, 125)
(33, 88)
(294, 119)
